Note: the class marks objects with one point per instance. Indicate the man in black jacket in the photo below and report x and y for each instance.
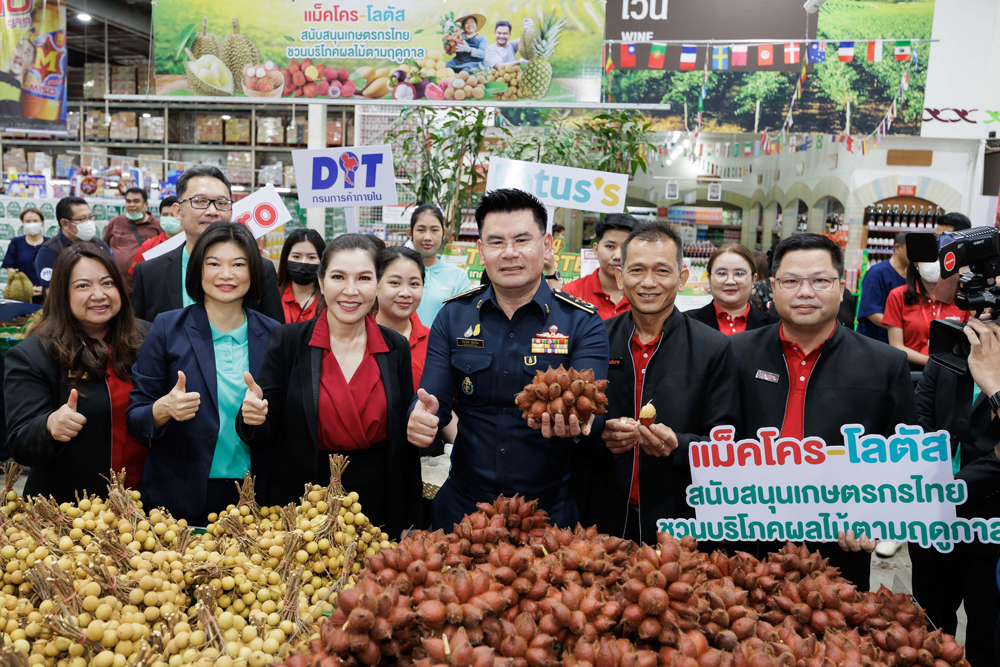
(809, 375)
(204, 196)
(960, 405)
(691, 385)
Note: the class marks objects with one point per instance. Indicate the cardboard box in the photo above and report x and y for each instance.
(153, 163)
(208, 129)
(64, 163)
(270, 130)
(238, 131)
(297, 132)
(152, 128)
(334, 133)
(289, 176)
(94, 127)
(38, 162)
(94, 81)
(271, 173)
(15, 158)
(239, 167)
(123, 80)
(123, 126)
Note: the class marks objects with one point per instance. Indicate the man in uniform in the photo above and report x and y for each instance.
(484, 347)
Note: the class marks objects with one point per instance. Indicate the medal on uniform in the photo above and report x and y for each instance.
(468, 332)
(550, 342)
(467, 386)
(469, 340)
(475, 332)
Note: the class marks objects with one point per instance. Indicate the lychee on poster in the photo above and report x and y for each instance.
(33, 66)
(419, 49)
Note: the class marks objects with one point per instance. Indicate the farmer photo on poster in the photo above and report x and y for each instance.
(421, 49)
(33, 66)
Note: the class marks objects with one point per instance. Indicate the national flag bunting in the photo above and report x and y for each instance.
(740, 56)
(765, 54)
(819, 141)
(689, 53)
(791, 53)
(902, 51)
(846, 52)
(746, 149)
(817, 52)
(657, 54)
(627, 56)
(875, 51)
(720, 57)
(609, 66)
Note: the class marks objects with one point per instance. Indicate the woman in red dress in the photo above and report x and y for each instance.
(339, 383)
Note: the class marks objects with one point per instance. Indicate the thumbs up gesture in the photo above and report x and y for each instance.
(422, 428)
(254, 405)
(179, 405)
(66, 422)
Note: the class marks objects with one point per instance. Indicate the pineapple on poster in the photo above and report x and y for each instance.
(420, 49)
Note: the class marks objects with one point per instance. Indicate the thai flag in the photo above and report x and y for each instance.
(689, 53)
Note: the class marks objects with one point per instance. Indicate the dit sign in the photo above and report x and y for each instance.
(345, 177)
(562, 187)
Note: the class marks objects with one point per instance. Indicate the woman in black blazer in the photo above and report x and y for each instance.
(731, 277)
(339, 383)
(67, 385)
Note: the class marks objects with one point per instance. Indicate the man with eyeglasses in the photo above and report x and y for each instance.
(484, 347)
(204, 196)
(809, 375)
(76, 225)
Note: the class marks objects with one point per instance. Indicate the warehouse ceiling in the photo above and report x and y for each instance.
(128, 30)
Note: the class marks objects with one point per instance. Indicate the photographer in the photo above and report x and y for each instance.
(960, 405)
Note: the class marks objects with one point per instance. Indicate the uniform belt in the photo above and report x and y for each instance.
(548, 497)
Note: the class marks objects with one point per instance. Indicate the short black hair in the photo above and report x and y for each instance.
(167, 202)
(808, 242)
(511, 200)
(137, 191)
(614, 222)
(64, 209)
(956, 221)
(392, 253)
(426, 208)
(363, 242)
(502, 24)
(558, 229)
(899, 239)
(297, 236)
(201, 170)
(225, 232)
(655, 232)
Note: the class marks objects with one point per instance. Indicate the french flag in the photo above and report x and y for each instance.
(689, 53)
(846, 52)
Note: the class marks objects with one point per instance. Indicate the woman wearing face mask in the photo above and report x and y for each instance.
(170, 225)
(912, 307)
(731, 278)
(22, 250)
(298, 277)
(190, 377)
(339, 383)
(67, 385)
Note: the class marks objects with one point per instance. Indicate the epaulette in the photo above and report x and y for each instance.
(574, 301)
(475, 290)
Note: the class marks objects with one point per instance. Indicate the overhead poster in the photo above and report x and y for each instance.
(33, 66)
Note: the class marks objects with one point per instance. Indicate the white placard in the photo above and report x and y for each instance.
(345, 177)
(715, 192)
(673, 190)
(588, 261)
(562, 187)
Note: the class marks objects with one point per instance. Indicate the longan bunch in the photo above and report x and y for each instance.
(563, 392)
(509, 73)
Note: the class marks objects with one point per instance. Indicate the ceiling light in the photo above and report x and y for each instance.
(670, 161)
(687, 143)
(147, 115)
(84, 17)
(226, 116)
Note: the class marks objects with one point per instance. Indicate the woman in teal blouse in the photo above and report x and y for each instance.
(190, 379)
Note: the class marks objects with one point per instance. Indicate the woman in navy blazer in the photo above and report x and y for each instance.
(189, 380)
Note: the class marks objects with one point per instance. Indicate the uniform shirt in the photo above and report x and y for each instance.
(418, 347)
(879, 281)
(441, 281)
(641, 352)
(728, 324)
(478, 360)
(21, 256)
(589, 289)
(800, 367)
(232, 360)
(186, 299)
(293, 311)
(915, 320)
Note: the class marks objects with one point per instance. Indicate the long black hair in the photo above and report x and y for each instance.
(916, 290)
(298, 236)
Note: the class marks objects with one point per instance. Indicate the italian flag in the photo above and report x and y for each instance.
(902, 51)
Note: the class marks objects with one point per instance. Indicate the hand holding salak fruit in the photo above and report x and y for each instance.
(563, 402)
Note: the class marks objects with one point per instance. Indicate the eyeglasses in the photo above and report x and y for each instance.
(201, 203)
(793, 283)
(519, 244)
(739, 275)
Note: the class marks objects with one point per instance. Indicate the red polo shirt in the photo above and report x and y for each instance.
(728, 324)
(641, 354)
(915, 320)
(800, 367)
(589, 289)
(293, 311)
(418, 347)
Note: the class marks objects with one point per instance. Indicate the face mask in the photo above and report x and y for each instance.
(86, 230)
(930, 271)
(301, 273)
(170, 224)
(32, 228)
(134, 216)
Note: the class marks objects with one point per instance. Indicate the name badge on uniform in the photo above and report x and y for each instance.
(551, 342)
(767, 377)
(470, 342)
(467, 386)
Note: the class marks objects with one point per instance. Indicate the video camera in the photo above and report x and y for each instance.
(979, 250)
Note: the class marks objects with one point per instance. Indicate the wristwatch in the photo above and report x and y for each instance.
(995, 402)
(558, 276)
